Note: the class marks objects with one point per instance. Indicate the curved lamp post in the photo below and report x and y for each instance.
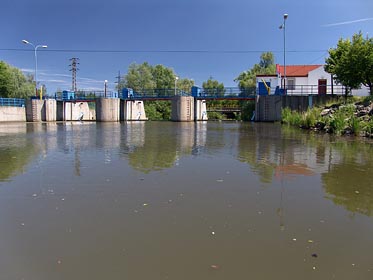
(282, 26)
(36, 62)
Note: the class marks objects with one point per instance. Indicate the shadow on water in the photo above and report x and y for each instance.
(16, 150)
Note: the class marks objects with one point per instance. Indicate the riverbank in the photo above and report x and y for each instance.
(352, 116)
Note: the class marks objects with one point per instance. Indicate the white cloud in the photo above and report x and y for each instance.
(347, 22)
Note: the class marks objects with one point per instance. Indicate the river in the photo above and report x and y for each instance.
(162, 200)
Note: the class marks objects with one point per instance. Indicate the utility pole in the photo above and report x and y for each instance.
(74, 69)
(118, 82)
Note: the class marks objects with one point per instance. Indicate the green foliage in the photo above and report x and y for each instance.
(355, 124)
(247, 109)
(247, 79)
(158, 110)
(145, 76)
(310, 118)
(351, 62)
(213, 87)
(185, 84)
(290, 117)
(337, 122)
(368, 127)
(139, 77)
(13, 84)
(215, 116)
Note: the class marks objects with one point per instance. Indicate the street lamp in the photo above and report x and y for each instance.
(282, 26)
(36, 62)
(176, 78)
(105, 84)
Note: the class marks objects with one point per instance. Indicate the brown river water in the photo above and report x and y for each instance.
(162, 200)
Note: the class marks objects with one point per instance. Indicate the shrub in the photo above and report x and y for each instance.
(337, 122)
(355, 125)
(291, 117)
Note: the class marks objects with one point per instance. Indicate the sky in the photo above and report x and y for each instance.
(199, 39)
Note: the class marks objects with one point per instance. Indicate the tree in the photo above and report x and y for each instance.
(163, 77)
(351, 62)
(247, 79)
(139, 77)
(185, 85)
(13, 83)
(213, 87)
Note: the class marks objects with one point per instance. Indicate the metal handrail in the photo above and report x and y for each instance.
(13, 102)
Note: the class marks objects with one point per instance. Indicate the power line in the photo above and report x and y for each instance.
(166, 51)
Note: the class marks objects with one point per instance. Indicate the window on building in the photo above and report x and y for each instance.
(291, 84)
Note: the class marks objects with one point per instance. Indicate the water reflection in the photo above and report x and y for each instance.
(16, 150)
(349, 182)
(186, 200)
(272, 151)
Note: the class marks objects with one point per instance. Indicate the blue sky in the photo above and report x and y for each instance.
(233, 33)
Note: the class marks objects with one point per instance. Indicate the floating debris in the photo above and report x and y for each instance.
(357, 192)
(219, 180)
(314, 267)
(214, 266)
(314, 255)
(294, 239)
(34, 195)
(145, 204)
(213, 232)
(310, 241)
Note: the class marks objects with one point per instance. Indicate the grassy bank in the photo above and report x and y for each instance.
(350, 117)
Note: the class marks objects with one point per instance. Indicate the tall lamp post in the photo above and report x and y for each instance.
(105, 87)
(36, 62)
(176, 78)
(282, 26)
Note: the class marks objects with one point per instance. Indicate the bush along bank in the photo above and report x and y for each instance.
(354, 118)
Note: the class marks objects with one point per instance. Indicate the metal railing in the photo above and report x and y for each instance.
(14, 102)
(226, 93)
(315, 89)
(84, 95)
(166, 93)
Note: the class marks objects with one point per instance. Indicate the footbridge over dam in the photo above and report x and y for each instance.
(129, 105)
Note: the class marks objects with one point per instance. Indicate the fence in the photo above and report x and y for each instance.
(13, 102)
(315, 89)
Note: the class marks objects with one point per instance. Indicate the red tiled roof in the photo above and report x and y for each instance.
(296, 70)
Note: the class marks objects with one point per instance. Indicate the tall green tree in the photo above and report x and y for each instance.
(139, 77)
(185, 84)
(247, 79)
(351, 62)
(13, 83)
(164, 77)
(213, 87)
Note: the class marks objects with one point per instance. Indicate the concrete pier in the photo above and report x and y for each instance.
(132, 110)
(34, 109)
(73, 111)
(41, 110)
(200, 110)
(182, 109)
(107, 109)
(49, 111)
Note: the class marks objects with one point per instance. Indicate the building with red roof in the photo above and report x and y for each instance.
(301, 79)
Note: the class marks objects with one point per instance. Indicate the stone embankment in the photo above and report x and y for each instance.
(350, 119)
